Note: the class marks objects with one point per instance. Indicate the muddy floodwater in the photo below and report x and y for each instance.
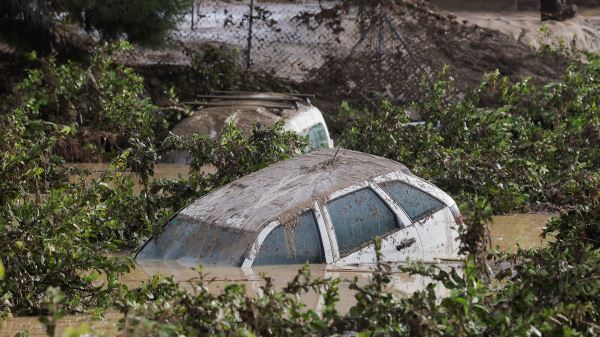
(523, 229)
(506, 232)
(161, 170)
(402, 285)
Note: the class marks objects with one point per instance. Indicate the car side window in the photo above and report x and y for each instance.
(317, 136)
(358, 218)
(293, 245)
(416, 203)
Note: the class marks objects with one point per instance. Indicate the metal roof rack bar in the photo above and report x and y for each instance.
(250, 98)
(243, 105)
(225, 92)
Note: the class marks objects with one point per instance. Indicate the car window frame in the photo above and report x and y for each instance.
(425, 215)
(264, 233)
(402, 219)
(417, 183)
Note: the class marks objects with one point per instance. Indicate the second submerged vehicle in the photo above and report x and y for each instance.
(244, 109)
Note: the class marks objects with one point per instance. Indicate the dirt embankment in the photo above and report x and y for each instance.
(431, 38)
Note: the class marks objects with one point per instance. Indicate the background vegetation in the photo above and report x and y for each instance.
(57, 230)
(521, 146)
(48, 25)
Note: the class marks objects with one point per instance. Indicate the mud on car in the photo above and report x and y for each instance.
(322, 207)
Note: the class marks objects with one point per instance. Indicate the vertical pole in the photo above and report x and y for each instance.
(249, 46)
(381, 45)
(192, 26)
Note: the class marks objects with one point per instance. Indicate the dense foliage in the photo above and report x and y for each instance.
(522, 146)
(46, 25)
(103, 103)
(57, 225)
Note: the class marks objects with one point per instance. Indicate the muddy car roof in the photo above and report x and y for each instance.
(233, 215)
(254, 200)
(244, 109)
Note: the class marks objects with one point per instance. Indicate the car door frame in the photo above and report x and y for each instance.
(431, 246)
(262, 235)
(401, 217)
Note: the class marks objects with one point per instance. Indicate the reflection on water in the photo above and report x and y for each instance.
(506, 232)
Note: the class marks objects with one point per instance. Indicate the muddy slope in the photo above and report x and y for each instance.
(431, 38)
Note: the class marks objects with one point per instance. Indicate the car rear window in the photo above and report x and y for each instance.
(296, 245)
(358, 218)
(416, 203)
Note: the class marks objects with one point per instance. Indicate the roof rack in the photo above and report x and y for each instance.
(267, 105)
(250, 98)
(229, 93)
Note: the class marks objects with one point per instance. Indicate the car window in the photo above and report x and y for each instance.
(416, 203)
(296, 245)
(358, 218)
(317, 136)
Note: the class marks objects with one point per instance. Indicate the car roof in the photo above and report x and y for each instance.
(242, 109)
(223, 225)
(291, 186)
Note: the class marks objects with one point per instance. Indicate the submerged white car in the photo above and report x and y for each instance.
(244, 109)
(321, 207)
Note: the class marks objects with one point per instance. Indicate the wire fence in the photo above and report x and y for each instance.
(269, 37)
(266, 35)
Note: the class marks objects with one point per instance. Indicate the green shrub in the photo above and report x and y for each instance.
(43, 25)
(53, 233)
(57, 227)
(519, 145)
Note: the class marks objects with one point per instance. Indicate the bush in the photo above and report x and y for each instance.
(519, 145)
(56, 226)
(40, 25)
(103, 103)
(53, 233)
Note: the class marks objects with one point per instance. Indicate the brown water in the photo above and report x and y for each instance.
(523, 229)
(402, 285)
(161, 170)
(506, 232)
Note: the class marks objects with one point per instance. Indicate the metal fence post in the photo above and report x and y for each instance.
(192, 25)
(249, 46)
(381, 21)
